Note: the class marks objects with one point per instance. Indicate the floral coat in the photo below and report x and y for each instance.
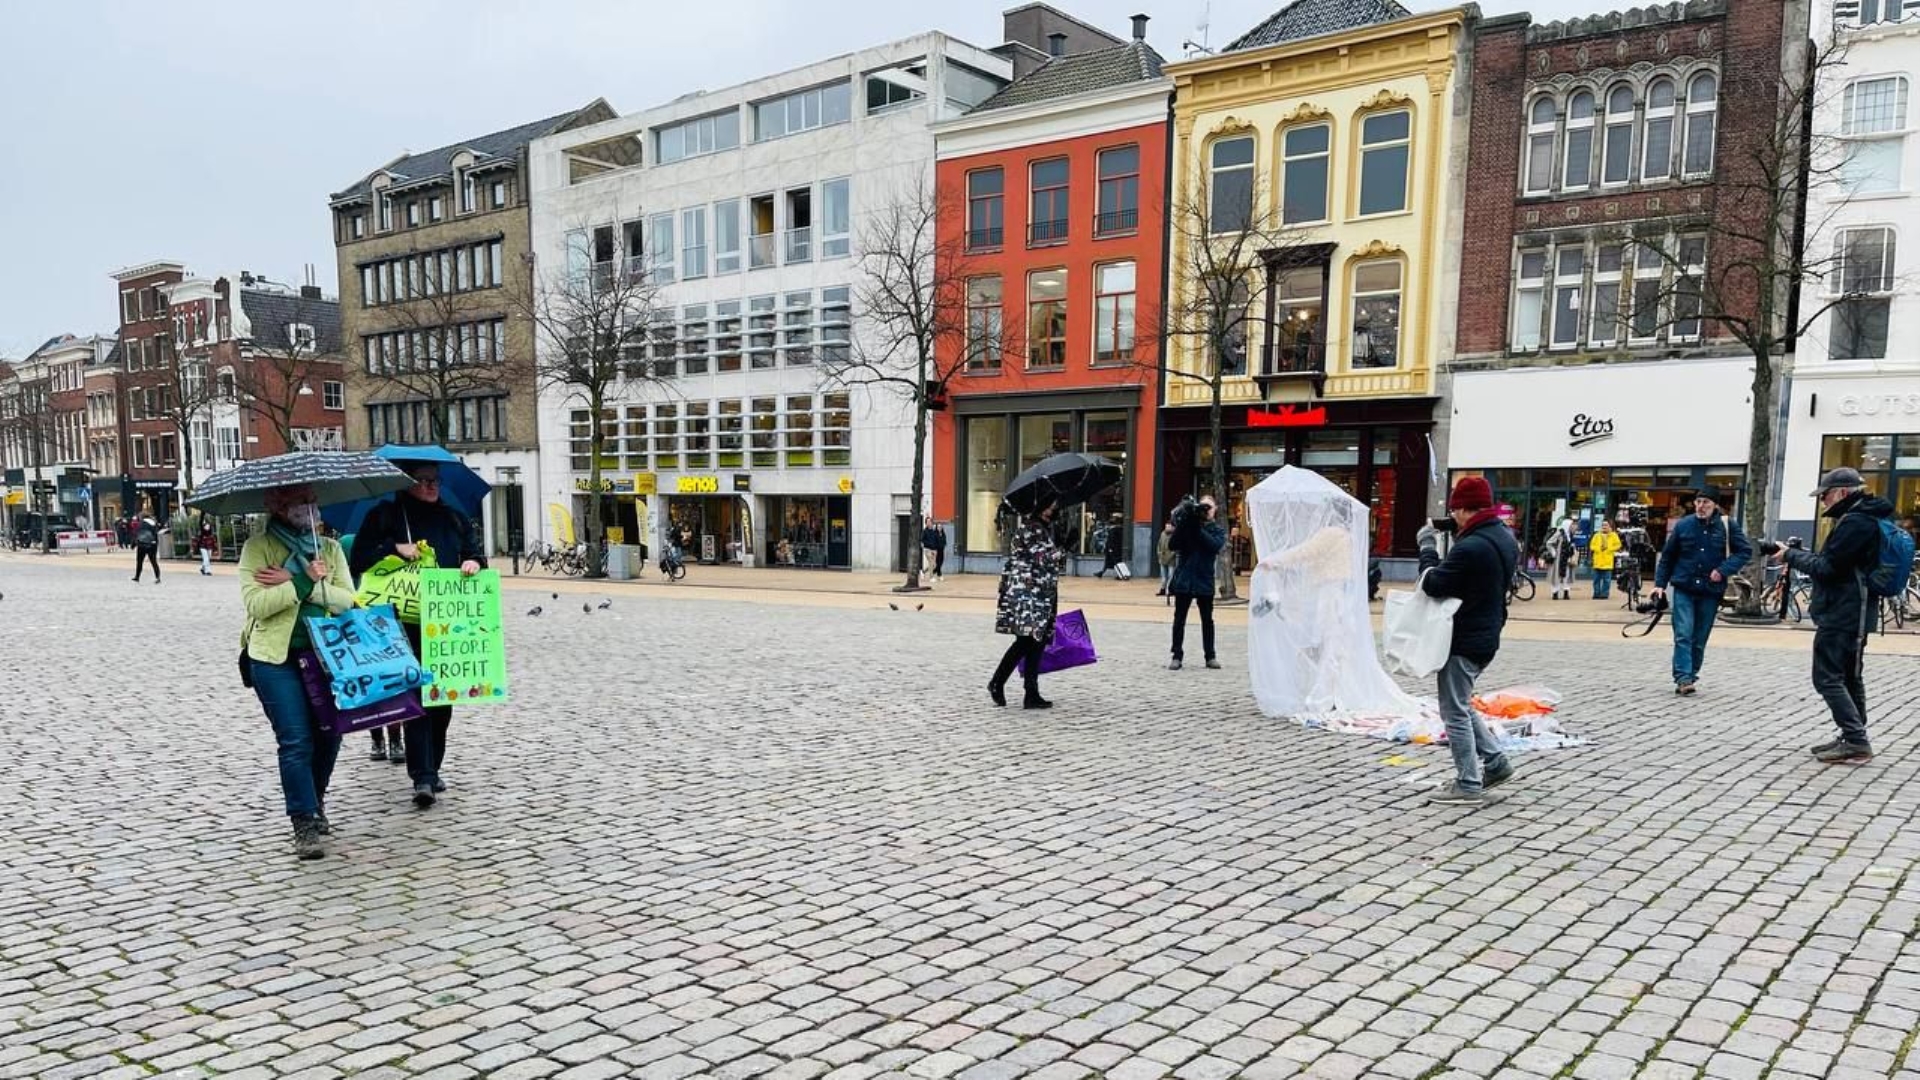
(1030, 584)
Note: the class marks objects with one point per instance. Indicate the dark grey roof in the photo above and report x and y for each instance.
(271, 313)
(1065, 76)
(500, 144)
(1311, 18)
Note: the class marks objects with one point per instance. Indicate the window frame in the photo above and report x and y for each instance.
(1354, 298)
(993, 237)
(1611, 128)
(1288, 161)
(1122, 317)
(1670, 115)
(1058, 196)
(1041, 314)
(1853, 134)
(1363, 148)
(1586, 127)
(1214, 171)
(1565, 284)
(1124, 220)
(1537, 132)
(1695, 112)
(1842, 299)
(1536, 284)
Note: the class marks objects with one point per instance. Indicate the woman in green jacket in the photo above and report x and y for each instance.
(287, 573)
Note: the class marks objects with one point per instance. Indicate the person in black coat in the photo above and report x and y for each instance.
(1476, 572)
(1196, 543)
(1844, 611)
(398, 527)
(933, 538)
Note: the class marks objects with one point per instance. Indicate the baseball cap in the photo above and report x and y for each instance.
(1841, 477)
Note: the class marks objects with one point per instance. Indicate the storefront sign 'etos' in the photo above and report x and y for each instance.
(1588, 429)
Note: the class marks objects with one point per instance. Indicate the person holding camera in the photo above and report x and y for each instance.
(1196, 542)
(1703, 550)
(1843, 611)
(1476, 571)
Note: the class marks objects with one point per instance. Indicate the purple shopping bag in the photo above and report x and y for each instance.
(337, 721)
(1071, 647)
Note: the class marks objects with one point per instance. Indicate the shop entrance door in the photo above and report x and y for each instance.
(840, 532)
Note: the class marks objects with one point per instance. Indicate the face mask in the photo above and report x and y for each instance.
(304, 516)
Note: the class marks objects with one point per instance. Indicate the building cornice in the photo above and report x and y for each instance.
(139, 270)
(1184, 71)
(1112, 109)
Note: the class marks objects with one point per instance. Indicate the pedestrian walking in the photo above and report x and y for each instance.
(1476, 571)
(1196, 542)
(933, 545)
(205, 541)
(397, 528)
(1604, 546)
(146, 546)
(1843, 608)
(286, 575)
(1163, 551)
(1703, 550)
(389, 744)
(1563, 557)
(1029, 600)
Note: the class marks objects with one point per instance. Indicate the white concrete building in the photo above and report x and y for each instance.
(748, 206)
(1853, 396)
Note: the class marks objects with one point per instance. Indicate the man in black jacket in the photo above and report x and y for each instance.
(1477, 571)
(933, 541)
(1843, 610)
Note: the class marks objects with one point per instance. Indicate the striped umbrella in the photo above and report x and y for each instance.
(335, 477)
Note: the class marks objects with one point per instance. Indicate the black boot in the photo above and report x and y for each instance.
(997, 686)
(998, 692)
(1033, 698)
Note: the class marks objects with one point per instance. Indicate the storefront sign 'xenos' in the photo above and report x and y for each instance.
(1588, 429)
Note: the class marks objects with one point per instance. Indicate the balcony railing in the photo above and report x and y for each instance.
(1041, 233)
(760, 251)
(799, 245)
(980, 239)
(1282, 360)
(1116, 221)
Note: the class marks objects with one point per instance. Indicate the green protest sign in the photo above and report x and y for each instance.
(460, 638)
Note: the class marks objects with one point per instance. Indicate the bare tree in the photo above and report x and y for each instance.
(272, 378)
(591, 328)
(448, 343)
(1218, 280)
(27, 436)
(912, 299)
(185, 391)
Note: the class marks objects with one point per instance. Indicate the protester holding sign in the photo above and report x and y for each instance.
(416, 519)
(286, 574)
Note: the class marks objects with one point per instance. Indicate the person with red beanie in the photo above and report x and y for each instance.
(1476, 571)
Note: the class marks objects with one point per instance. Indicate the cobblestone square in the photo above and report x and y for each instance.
(738, 839)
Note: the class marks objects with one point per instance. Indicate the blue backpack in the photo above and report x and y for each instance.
(1888, 577)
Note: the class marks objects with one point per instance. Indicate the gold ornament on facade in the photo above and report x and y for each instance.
(1385, 99)
(1303, 112)
(1375, 249)
(1232, 125)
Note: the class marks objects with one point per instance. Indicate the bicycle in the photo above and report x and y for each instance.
(1521, 587)
(671, 567)
(1788, 587)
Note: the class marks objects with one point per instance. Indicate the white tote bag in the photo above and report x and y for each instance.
(1417, 631)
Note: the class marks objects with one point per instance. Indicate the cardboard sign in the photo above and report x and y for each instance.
(461, 639)
(368, 655)
(395, 581)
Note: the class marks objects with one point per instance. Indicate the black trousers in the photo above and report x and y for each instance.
(426, 738)
(142, 555)
(939, 561)
(1180, 605)
(1023, 648)
(1839, 659)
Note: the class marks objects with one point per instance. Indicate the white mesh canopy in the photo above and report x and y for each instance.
(1310, 648)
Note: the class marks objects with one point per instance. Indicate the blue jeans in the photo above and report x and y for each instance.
(1473, 744)
(1693, 617)
(1602, 584)
(306, 753)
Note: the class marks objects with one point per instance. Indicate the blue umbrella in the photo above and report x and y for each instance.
(460, 487)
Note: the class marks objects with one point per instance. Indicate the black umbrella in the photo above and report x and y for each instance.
(335, 476)
(1061, 480)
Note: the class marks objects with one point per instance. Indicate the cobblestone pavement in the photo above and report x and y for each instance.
(721, 839)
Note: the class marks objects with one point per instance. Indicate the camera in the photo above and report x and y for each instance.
(1652, 605)
(1187, 509)
(1443, 524)
(1772, 547)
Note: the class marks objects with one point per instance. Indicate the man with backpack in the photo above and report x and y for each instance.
(1866, 556)
(146, 546)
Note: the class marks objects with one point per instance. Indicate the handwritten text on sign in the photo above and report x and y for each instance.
(367, 654)
(460, 637)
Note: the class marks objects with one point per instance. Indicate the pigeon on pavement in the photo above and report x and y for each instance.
(535, 611)
(605, 604)
(588, 608)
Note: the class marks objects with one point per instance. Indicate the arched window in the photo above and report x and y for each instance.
(1616, 157)
(1230, 195)
(1656, 151)
(1540, 125)
(1579, 157)
(1702, 104)
(1386, 143)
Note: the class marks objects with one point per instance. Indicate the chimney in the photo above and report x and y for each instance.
(1056, 44)
(1140, 28)
(309, 292)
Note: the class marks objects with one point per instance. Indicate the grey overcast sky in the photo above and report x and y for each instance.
(213, 134)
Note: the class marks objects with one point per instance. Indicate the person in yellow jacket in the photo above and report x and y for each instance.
(1604, 546)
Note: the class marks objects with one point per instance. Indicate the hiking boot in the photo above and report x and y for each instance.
(1175, 665)
(438, 785)
(1453, 795)
(1844, 752)
(422, 796)
(306, 839)
(320, 822)
(1826, 747)
(1214, 664)
(1498, 774)
(1035, 701)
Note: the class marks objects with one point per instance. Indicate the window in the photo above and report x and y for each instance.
(436, 208)
(333, 394)
(836, 322)
(386, 211)
(836, 428)
(761, 323)
(1876, 11)
(1047, 223)
(799, 431)
(1113, 313)
(1656, 147)
(1540, 131)
(1578, 171)
(836, 219)
(1304, 155)
(760, 232)
(1569, 276)
(1230, 351)
(1530, 290)
(660, 253)
(896, 86)
(1616, 157)
(1647, 265)
(1047, 318)
(1385, 143)
(497, 195)
(765, 433)
(987, 476)
(1864, 282)
(1376, 314)
(1603, 328)
(1702, 103)
(726, 237)
(693, 241)
(469, 192)
(986, 212)
(726, 340)
(1119, 210)
(691, 138)
(1230, 191)
(359, 227)
(413, 213)
(804, 111)
(966, 87)
(985, 332)
(799, 246)
(1687, 277)
(1872, 125)
(796, 328)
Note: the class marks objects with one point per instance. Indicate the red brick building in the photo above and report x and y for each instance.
(1054, 189)
(150, 467)
(1601, 153)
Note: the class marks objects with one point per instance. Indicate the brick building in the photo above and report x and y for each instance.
(150, 468)
(1585, 382)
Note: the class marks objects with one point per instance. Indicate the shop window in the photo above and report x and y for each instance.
(1230, 185)
(985, 333)
(1542, 120)
(1859, 317)
(1047, 318)
(1386, 143)
(986, 480)
(1702, 106)
(1385, 482)
(1873, 120)
(1578, 141)
(1305, 153)
(1044, 434)
(1103, 518)
(1656, 140)
(1569, 277)
(1113, 313)
(1529, 300)
(1376, 314)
